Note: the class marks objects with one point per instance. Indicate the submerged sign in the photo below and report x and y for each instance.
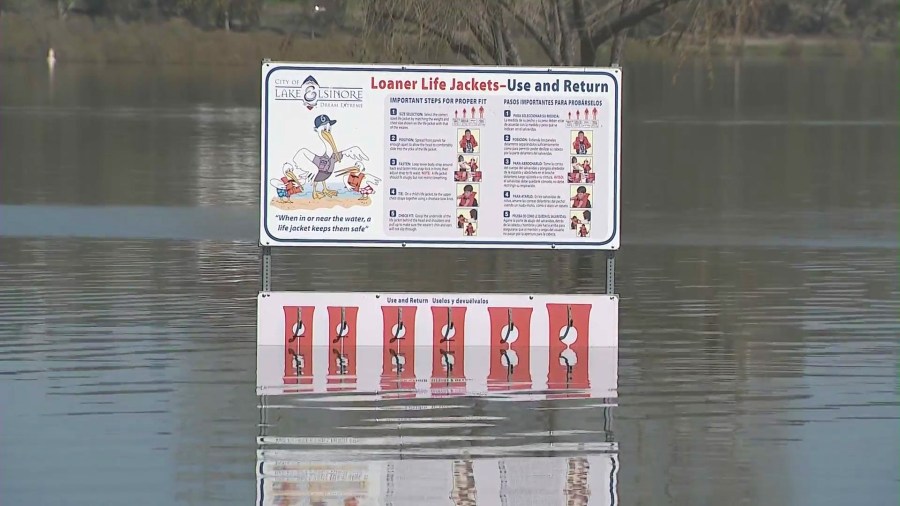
(437, 345)
(427, 156)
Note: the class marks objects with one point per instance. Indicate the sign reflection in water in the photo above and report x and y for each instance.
(293, 478)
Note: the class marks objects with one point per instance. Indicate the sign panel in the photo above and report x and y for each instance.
(434, 156)
(501, 321)
(437, 345)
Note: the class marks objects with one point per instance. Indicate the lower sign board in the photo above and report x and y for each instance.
(295, 477)
(401, 320)
(437, 345)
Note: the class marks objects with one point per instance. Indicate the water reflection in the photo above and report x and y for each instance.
(759, 320)
(292, 369)
(297, 478)
(389, 452)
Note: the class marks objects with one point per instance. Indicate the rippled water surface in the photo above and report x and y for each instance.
(758, 359)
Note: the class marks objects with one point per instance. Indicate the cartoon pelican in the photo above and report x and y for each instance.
(353, 179)
(323, 165)
(288, 185)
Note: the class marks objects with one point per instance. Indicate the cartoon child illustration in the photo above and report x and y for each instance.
(575, 174)
(288, 185)
(576, 167)
(467, 199)
(581, 198)
(581, 144)
(468, 142)
(461, 221)
(473, 164)
(589, 176)
(473, 214)
(583, 231)
(574, 223)
(463, 164)
(476, 176)
(462, 171)
(470, 230)
(353, 180)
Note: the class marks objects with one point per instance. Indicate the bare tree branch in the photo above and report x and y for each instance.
(618, 44)
(456, 42)
(630, 19)
(565, 42)
(541, 38)
(587, 50)
(512, 50)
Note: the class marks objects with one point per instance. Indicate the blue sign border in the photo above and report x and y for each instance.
(449, 70)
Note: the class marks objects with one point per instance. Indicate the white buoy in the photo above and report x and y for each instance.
(51, 58)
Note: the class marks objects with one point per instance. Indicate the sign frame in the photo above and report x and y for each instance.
(610, 244)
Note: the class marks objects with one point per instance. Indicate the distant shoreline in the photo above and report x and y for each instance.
(80, 40)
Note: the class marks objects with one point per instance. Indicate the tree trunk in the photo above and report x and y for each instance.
(618, 43)
(587, 49)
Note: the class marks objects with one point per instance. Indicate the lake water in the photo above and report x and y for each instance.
(760, 318)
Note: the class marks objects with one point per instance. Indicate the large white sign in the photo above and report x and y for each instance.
(429, 156)
(428, 345)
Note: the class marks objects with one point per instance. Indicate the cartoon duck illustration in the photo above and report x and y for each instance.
(288, 185)
(353, 179)
(323, 164)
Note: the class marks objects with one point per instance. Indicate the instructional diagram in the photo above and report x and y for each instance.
(431, 156)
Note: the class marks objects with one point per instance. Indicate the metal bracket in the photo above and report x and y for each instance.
(610, 272)
(266, 269)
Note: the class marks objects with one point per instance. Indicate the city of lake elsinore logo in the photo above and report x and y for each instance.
(310, 89)
(312, 94)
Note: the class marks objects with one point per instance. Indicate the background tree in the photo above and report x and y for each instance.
(568, 32)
